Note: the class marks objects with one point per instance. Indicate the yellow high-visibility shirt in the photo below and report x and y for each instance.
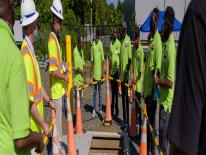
(33, 82)
(55, 63)
(14, 99)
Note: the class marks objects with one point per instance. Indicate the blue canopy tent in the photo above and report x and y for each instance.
(146, 26)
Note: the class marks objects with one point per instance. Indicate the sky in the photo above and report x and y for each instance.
(112, 1)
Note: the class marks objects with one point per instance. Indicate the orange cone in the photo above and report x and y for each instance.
(55, 142)
(79, 129)
(119, 88)
(55, 138)
(143, 143)
(133, 128)
(108, 117)
(70, 131)
(130, 95)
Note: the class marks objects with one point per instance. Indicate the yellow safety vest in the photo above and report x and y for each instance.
(33, 82)
(55, 63)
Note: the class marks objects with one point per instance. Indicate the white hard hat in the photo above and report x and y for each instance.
(28, 12)
(57, 9)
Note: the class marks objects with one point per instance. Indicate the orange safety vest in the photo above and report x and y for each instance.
(35, 92)
(34, 86)
(57, 89)
(52, 60)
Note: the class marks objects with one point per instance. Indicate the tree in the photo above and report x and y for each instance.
(76, 13)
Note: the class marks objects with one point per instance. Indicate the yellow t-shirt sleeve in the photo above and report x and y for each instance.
(171, 64)
(18, 100)
(142, 61)
(102, 49)
(129, 49)
(158, 54)
(52, 56)
(76, 63)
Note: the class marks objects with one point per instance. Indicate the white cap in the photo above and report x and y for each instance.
(28, 12)
(57, 9)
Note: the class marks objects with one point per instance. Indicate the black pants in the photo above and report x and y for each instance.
(125, 104)
(114, 85)
(139, 112)
(151, 112)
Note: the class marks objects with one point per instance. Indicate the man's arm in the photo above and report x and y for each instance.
(59, 75)
(137, 78)
(80, 71)
(128, 69)
(47, 99)
(39, 120)
(169, 81)
(34, 139)
(164, 83)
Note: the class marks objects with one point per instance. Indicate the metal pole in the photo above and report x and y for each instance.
(91, 20)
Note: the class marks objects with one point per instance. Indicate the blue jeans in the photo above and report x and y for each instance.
(163, 123)
(99, 85)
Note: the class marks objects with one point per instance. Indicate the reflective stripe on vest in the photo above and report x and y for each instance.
(35, 92)
(31, 88)
(52, 60)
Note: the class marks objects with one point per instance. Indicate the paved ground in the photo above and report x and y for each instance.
(89, 123)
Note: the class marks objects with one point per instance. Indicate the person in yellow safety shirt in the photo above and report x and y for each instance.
(114, 55)
(152, 68)
(125, 68)
(97, 58)
(37, 93)
(79, 63)
(167, 77)
(58, 71)
(79, 66)
(16, 138)
(138, 65)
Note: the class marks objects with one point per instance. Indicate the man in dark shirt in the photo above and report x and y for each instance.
(187, 125)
